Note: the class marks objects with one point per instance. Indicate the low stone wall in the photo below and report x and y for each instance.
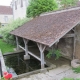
(3, 67)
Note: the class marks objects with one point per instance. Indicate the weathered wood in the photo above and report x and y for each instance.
(26, 56)
(74, 45)
(34, 55)
(41, 49)
(17, 43)
(56, 43)
(73, 56)
(21, 47)
(26, 46)
(69, 35)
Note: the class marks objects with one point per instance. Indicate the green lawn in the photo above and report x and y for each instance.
(5, 47)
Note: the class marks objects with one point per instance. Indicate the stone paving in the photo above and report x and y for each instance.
(54, 74)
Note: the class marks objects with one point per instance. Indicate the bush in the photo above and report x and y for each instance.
(5, 31)
(36, 7)
(57, 53)
(76, 70)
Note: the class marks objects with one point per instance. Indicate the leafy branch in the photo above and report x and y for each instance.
(56, 52)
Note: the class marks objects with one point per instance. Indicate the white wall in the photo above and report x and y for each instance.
(20, 12)
(2, 18)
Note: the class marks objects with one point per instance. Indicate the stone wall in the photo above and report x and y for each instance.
(66, 47)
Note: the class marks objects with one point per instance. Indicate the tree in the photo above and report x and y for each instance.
(36, 7)
(68, 3)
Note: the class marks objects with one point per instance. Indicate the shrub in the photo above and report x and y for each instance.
(57, 53)
(76, 70)
(5, 31)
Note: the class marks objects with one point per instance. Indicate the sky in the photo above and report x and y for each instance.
(5, 2)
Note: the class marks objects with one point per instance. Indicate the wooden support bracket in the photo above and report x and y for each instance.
(17, 43)
(26, 46)
(26, 56)
(41, 49)
(69, 35)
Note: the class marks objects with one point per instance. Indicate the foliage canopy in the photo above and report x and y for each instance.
(36, 7)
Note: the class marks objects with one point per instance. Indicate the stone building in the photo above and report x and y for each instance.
(19, 8)
(6, 15)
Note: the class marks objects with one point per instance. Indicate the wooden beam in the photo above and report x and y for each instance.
(74, 45)
(56, 42)
(21, 47)
(34, 55)
(26, 46)
(41, 49)
(74, 48)
(69, 35)
(17, 43)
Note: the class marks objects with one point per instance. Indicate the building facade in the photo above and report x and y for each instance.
(19, 8)
(6, 15)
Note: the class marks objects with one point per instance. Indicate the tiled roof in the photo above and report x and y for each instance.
(49, 28)
(6, 10)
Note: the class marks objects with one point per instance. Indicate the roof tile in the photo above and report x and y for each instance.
(49, 28)
(6, 10)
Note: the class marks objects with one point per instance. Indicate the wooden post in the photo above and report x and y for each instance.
(26, 56)
(41, 49)
(74, 45)
(17, 43)
(74, 48)
(26, 46)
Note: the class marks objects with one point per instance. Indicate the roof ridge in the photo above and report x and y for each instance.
(6, 10)
(59, 11)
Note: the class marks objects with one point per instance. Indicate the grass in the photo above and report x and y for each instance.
(76, 70)
(5, 47)
(67, 79)
(70, 79)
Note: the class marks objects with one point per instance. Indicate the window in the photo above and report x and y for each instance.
(21, 3)
(15, 5)
(6, 18)
(2, 25)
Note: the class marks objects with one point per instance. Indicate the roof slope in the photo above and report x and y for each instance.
(6, 10)
(49, 28)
